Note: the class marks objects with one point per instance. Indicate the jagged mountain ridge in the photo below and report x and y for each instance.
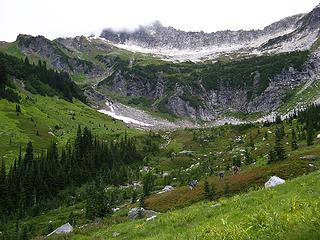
(203, 90)
(293, 33)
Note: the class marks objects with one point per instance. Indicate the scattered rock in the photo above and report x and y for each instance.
(186, 152)
(167, 188)
(115, 234)
(115, 209)
(165, 174)
(216, 205)
(150, 213)
(135, 213)
(274, 181)
(151, 218)
(309, 157)
(192, 184)
(66, 228)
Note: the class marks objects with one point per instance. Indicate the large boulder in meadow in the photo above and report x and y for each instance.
(309, 157)
(66, 228)
(167, 188)
(274, 181)
(135, 213)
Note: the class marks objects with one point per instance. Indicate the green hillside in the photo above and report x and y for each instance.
(99, 163)
(290, 211)
(43, 119)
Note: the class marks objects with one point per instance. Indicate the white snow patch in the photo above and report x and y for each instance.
(208, 52)
(113, 114)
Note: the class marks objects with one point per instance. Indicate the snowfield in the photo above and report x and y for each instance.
(125, 119)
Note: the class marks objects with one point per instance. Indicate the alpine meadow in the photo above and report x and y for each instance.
(160, 133)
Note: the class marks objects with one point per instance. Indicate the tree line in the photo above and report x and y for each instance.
(37, 78)
(32, 180)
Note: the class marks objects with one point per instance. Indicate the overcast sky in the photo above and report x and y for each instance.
(62, 18)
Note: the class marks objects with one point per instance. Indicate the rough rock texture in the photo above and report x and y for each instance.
(274, 181)
(187, 99)
(156, 35)
(167, 188)
(135, 213)
(293, 33)
(66, 228)
(215, 102)
(56, 54)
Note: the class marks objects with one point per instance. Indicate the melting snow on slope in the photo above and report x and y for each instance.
(113, 114)
(204, 53)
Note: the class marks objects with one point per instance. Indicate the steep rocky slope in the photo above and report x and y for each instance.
(206, 91)
(255, 73)
(293, 33)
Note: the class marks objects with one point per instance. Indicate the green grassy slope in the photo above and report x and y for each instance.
(290, 211)
(52, 118)
(250, 177)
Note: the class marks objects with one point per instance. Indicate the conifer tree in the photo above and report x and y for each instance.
(209, 191)
(294, 143)
(278, 153)
(3, 187)
(248, 157)
(133, 196)
(310, 133)
(141, 201)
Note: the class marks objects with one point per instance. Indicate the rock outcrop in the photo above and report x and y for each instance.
(293, 33)
(274, 181)
(66, 228)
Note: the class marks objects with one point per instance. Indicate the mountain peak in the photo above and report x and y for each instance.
(156, 23)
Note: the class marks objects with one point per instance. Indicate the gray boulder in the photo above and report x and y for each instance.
(274, 181)
(150, 213)
(167, 188)
(66, 228)
(135, 213)
(309, 157)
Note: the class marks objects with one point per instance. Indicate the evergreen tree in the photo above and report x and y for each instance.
(28, 158)
(148, 184)
(226, 189)
(310, 133)
(72, 219)
(26, 61)
(134, 197)
(18, 108)
(251, 142)
(236, 161)
(248, 157)
(97, 202)
(294, 143)
(209, 191)
(33, 180)
(141, 201)
(50, 227)
(3, 187)
(278, 153)
(278, 119)
(3, 81)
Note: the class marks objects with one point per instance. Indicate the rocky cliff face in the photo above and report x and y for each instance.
(211, 103)
(202, 90)
(56, 55)
(293, 33)
(158, 36)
